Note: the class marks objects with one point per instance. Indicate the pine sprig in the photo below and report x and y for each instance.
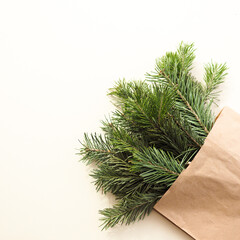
(173, 70)
(145, 109)
(116, 177)
(129, 210)
(95, 149)
(213, 77)
(158, 127)
(156, 166)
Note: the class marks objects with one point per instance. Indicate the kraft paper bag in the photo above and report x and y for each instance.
(204, 201)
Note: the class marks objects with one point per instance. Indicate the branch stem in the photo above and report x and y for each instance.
(184, 130)
(185, 101)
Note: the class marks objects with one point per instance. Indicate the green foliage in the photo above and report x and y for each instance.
(156, 166)
(129, 209)
(173, 70)
(96, 149)
(158, 127)
(213, 77)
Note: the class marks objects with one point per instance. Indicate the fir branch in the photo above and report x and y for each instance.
(184, 130)
(96, 149)
(145, 108)
(115, 176)
(163, 74)
(213, 77)
(121, 138)
(129, 210)
(173, 70)
(156, 166)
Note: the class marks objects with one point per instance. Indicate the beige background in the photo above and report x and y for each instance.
(57, 60)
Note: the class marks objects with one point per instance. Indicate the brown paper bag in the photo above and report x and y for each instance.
(205, 199)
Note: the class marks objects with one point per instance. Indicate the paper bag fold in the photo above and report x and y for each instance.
(205, 199)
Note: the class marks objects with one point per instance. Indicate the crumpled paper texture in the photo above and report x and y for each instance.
(204, 201)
